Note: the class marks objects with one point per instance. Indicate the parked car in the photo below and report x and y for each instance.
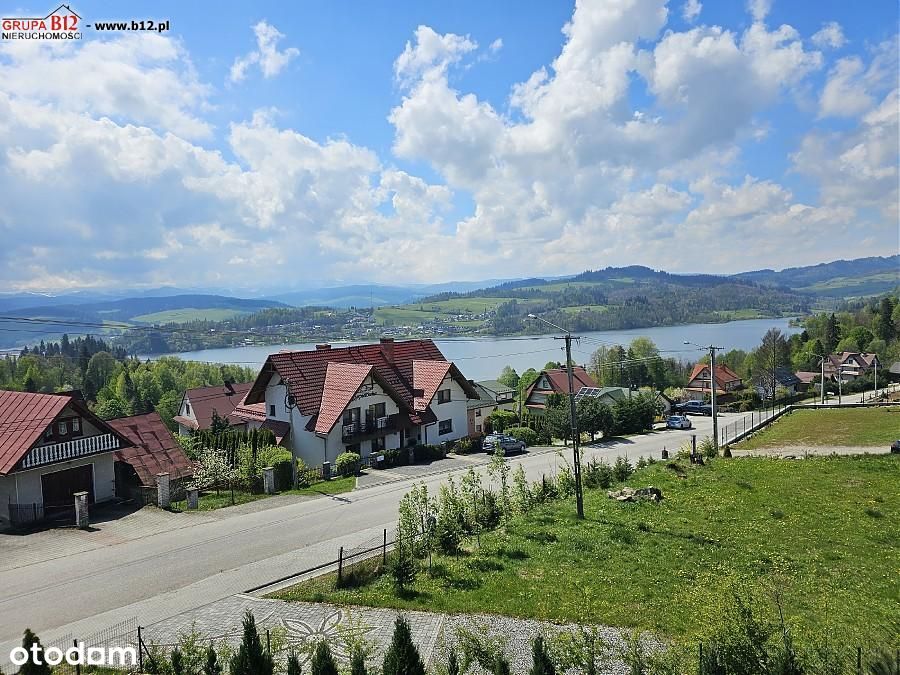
(678, 422)
(895, 448)
(694, 408)
(508, 443)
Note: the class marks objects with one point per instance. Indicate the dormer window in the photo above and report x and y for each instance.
(187, 408)
(76, 425)
(63, 428)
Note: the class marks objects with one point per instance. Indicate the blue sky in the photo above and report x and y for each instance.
(274, 145)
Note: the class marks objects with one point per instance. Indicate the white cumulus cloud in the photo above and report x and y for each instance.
(270, 60)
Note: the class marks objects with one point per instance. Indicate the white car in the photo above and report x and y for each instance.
(678, 422)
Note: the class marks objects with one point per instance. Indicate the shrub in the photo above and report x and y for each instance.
(428, 453)
(565, 482)
(641, 463)
(622, 469)
(540, 659)
(501, 419)
(293, 666)
(358, 662)
(251, 659)
(347, 463)
(306, 475)
(598, 474)
(707, 448)
(402, 657)
(463, 446)
(30, 667)
(322, 661)
(529, 436)
(212, 666)
(403, 568)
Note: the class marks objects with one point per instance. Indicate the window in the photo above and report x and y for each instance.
(477, 412)
(378, 410)
(272, 410)
(351, 416)
(378, 445)
(63, 428)
(478, 428)
(443, 396)
(76, 425)
(445, 427)
(187, 408)
(353, 447)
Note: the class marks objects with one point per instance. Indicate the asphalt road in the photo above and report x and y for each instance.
(75, 583)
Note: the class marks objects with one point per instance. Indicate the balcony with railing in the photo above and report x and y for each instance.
(380, 426)
(68, 450)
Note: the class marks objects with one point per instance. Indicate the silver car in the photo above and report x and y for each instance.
(678, 422)
(508, 443)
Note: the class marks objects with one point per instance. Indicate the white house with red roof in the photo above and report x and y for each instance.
(728, 382)
(52, 446)
(554, 381)
(363, 399)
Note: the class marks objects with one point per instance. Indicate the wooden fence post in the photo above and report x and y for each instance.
(384, 549)
(340, 565)
(140, 650)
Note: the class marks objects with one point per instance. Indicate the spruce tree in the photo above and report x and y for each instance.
(402, 657)
(452, 663)
(212, 665)
(30, 667)
(501, 666)
(322, 661)
(293, 665)
(251, 659)
(541, 663)
(177, 662)
(358, 662)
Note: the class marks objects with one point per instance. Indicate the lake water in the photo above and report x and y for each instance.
(483, 358)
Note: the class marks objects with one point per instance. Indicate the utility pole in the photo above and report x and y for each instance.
(875, 393)
(712, 389)
(579, 500)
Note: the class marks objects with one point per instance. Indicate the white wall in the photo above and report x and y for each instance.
(276, 391)
(456, 410)
(24, 487)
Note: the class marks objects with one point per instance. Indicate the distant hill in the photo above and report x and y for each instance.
(134, 311)
(838, 279)
(373, 295)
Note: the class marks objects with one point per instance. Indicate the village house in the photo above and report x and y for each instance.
(198, 405)
(554, 381)
(850, 365)
(363, 399)
(503, 396)
(727, 383)
(52, 446)
(479, 409)
(784, 379)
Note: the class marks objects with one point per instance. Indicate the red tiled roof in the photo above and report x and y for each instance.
(559, 380)
(392, 365)
(204, 400)
(23, 418)
(342, 381)
(428, 376)
(724, 374)
(806, 376)
(247, 411)
(155, 449)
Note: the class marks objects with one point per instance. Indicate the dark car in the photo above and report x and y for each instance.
(694, 408)
(895, 448)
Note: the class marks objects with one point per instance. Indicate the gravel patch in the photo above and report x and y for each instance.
(801, 451)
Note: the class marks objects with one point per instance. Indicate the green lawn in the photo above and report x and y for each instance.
(210, 501)
(188, 314)
(877, 427)
(822, 529)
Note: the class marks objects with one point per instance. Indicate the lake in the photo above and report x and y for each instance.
(482, 358)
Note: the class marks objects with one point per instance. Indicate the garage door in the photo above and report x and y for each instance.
(59, 486)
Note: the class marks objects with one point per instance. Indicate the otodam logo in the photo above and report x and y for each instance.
(63, 23)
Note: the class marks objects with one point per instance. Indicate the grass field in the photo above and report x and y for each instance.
(211, 501)
(822, 530)
(188, 314)
(877, 427)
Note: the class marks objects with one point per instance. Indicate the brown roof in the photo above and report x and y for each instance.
(247, 411)
(806, 376)
(277, 427)
(342, 381)
(305, 373)
(23, 418)
(559, 380)
(204, 400)
(155, 449)
(724, 374)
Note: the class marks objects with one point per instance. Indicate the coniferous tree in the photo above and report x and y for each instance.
(501, 666)
(177, 662)
(30, 667)
(293, 665)
(541, 663)
(322, 661)
(452, 663)
(212, 665)
(402, 657)
(358, 662)
(251, 659)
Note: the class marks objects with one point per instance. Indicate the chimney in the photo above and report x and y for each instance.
(320, 347)
(387, 348)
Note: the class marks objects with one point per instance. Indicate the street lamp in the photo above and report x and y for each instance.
(579, 501)
(712, 389)
(822, 376)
